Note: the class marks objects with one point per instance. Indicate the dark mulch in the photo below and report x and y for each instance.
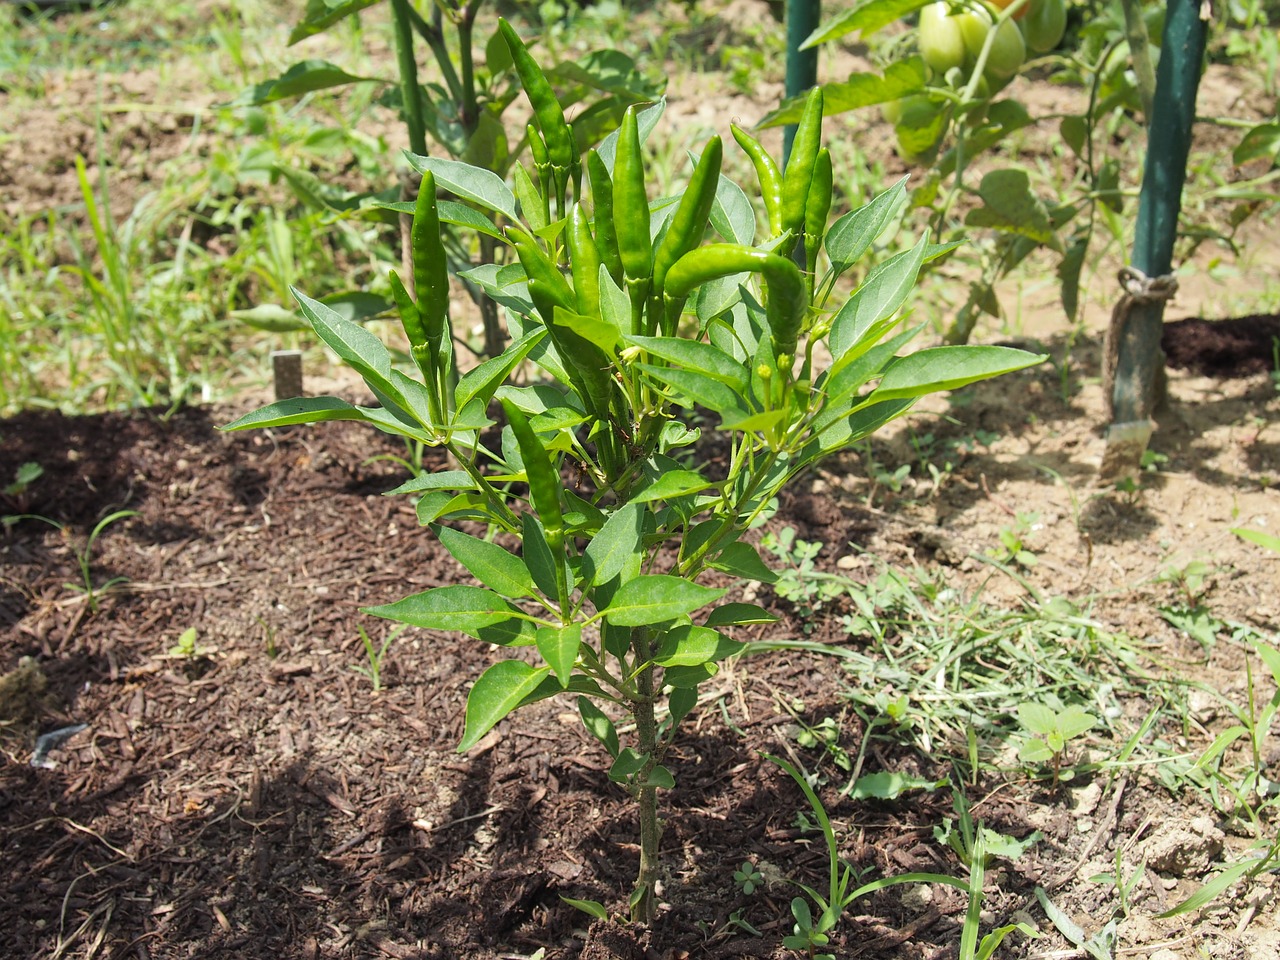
(258, 800)
(1240, 347)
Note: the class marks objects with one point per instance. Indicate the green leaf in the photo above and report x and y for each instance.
(1069, 268)
(738, 614)
(948, 368)
(900, 78)
(654, 598)
(1269, 541)
(889, 785)
(471, 183)
(690, 646)
(671, 484)
(322, 14)
(743, 560)
(460, 215)
(283, 413)
(559, 647)
(1075, 720)
(697, 356)
(497, 692)
(617, 543)
(475, 611)
(301, 78)
(590, 907)
(270, 317)
(441, 480)
(1074, 132)
(1038, 718)
(538, 556)
(1213, 889)
(732, 215)
(881, 295)
(1035, 750)
(1010, 206)
(599, 726)
(867, 17)
(852, 235)
(483, 379)
(489, 563)
(1259, 143)
(354, 345)
(692, 387)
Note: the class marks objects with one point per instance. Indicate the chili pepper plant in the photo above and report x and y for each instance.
(650, 322)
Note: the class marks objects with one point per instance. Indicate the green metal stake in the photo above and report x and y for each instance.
(1134, 361)
(802, 65)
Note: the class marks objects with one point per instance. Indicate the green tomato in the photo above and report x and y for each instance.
(1044, 25)
(942, 44)
(1008, 52)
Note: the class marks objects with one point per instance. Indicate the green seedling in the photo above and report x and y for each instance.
(1268, 541)
(186, 647)
(26, 474)
(1123, 886)
(84, 557)
(1049, 732)
(1100, 946)
(637, 325)
(799, 581)
(374, 654)
(1013, 540)
(748, 878)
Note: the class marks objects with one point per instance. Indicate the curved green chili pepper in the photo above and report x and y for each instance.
(545, 484)
(546, 106)
(631, 203)
(541, 166)
(767, 173)
(799, 172)
(689, 222)
(430, 265)
(584, 258)
(602, 198)
(786, 304)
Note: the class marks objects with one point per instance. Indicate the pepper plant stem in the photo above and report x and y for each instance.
(643, 899)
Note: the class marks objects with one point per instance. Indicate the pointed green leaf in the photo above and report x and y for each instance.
(483, 379)
(852, 235)
(559, 647)
(1211, 890)
(538, 556)
(298, 410)
(441, 480)
(356, 346)
(617, 542)
(690, 646)
(738, 614)
(600, 726)
(471, 183)
(697, 356)
(672, 484)
(301, 78)
(320, 15)
(900, 78)
(890, 784)
(743, 560)
(1268, 540)
(732, 215)
(475, 611)
(949, 368)
(591, 908)
(1009, 205)
(881, 296)
(691, 387)
(487, 562)
(654, 598)
(866, 17)
(1075, 720)
(497, 692)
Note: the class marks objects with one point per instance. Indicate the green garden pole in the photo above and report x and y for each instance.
(1134, 363)
(802, 65)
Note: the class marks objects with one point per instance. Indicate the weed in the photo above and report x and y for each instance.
(748, 878)
(1014, 541)
(1049, 730)
(374, 655)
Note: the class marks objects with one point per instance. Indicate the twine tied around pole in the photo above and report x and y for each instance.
(1138, 289)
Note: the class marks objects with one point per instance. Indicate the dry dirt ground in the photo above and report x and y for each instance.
(256, 799)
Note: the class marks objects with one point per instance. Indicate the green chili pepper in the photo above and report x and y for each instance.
(631, 203)
(799, 172)
(586, 364)
(602, 197)
(767, 173)
(430, 265)
(786, 304)
(546, 107)
(423, 357)
(584, 257)
(548, 288)
(689, 222)
(817, 207)
(545, 487)
(542, 166)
